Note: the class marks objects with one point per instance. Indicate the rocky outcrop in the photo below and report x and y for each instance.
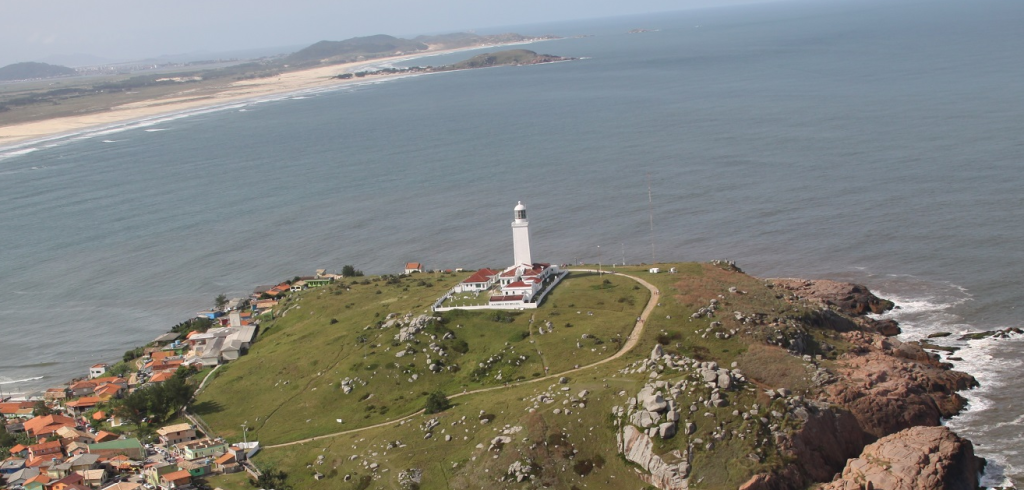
(852, 299)
(667, 472)
(915, 458)
(890, 385)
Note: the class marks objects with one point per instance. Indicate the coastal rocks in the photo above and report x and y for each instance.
(852, 299)
(919, 457)
(899, 386)
(889, 328)
(666, 472)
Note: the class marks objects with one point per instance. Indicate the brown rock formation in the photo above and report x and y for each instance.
(920, 457)
(882, 386)
(852, 299)
(891, 385)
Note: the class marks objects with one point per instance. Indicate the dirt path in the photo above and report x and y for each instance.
(631, 341)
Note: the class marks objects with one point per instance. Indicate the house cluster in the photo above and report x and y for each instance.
(266, 297)
(68, 455)
(516, 284)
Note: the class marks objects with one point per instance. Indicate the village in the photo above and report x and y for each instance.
(95, 432)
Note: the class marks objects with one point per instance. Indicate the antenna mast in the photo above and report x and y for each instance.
(650, 210)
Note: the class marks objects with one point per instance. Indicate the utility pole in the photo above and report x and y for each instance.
(245, 440)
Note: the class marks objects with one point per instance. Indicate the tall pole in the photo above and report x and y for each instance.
(245, 440)
(599, 260)
(650, 210)
(623, 254)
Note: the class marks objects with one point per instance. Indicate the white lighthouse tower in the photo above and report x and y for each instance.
(521, 237)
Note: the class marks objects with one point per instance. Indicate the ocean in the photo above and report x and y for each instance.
(868, 141)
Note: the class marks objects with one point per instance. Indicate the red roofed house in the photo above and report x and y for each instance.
(411, 267)
(52, 449)
(47, 424)
(82, 404)
(18, 410)
(481, 280)
(176, 479)
(104, 436)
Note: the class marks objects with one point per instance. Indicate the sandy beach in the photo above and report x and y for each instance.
(297, 81)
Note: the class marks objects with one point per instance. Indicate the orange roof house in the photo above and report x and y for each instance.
(46, 449)
(161, 376)
(108, 391)
(47, 424)
(17, 409)
(176, 479)
(411, 267)
(84, 403)
(104, 436)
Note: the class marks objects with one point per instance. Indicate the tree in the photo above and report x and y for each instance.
(437, 402)
(350, 271)
(271, 477)
(41, 409)
(220, 301)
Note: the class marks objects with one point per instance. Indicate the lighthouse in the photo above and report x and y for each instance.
(521, 236)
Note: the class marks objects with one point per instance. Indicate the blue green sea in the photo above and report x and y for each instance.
(869, 141)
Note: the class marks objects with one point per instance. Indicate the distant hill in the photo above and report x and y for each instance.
(31, 69)
(509, 57)
(350, 49)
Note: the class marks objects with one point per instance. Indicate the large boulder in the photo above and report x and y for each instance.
(852, 299)
(919, 457)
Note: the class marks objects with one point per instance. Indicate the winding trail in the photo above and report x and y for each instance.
(631, 341)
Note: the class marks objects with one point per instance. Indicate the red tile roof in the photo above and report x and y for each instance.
(42, 425)
(482, 275)
(518, 285)
(84, 402)
(413, 265)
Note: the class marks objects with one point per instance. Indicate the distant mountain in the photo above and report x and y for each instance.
(350, 49)
(30, 69)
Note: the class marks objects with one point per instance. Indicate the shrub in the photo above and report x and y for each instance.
(437, 402)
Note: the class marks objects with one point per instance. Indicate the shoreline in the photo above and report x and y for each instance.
(21, 135)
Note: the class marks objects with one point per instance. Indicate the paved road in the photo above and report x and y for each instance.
(631, 341)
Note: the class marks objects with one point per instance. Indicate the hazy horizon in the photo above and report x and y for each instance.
(126, 31)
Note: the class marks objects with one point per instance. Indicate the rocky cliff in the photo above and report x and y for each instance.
(919, 457)
(880, 386)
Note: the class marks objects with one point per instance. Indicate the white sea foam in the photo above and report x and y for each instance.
(153, 130)
(9, 381)
(17, 153)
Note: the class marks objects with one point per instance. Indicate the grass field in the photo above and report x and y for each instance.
(288, 387)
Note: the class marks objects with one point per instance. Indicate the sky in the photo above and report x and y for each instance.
(34, 30)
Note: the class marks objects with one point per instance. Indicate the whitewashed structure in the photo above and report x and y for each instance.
(519, 286)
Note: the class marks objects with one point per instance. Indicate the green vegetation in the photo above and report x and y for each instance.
(311, 376)
(27, 70)
(437, 402)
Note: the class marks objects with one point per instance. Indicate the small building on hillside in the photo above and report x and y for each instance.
(176, 434)
(202, 448)
(128, 447)
(411, 267)
(97, 370)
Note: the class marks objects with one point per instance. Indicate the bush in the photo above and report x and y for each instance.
(437, 402)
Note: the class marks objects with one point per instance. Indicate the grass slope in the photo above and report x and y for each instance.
(573, 448)
(289, 386)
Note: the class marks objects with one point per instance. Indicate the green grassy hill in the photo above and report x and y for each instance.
(368, 46)
(291, 386)
(508, 57)
(30, 70)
